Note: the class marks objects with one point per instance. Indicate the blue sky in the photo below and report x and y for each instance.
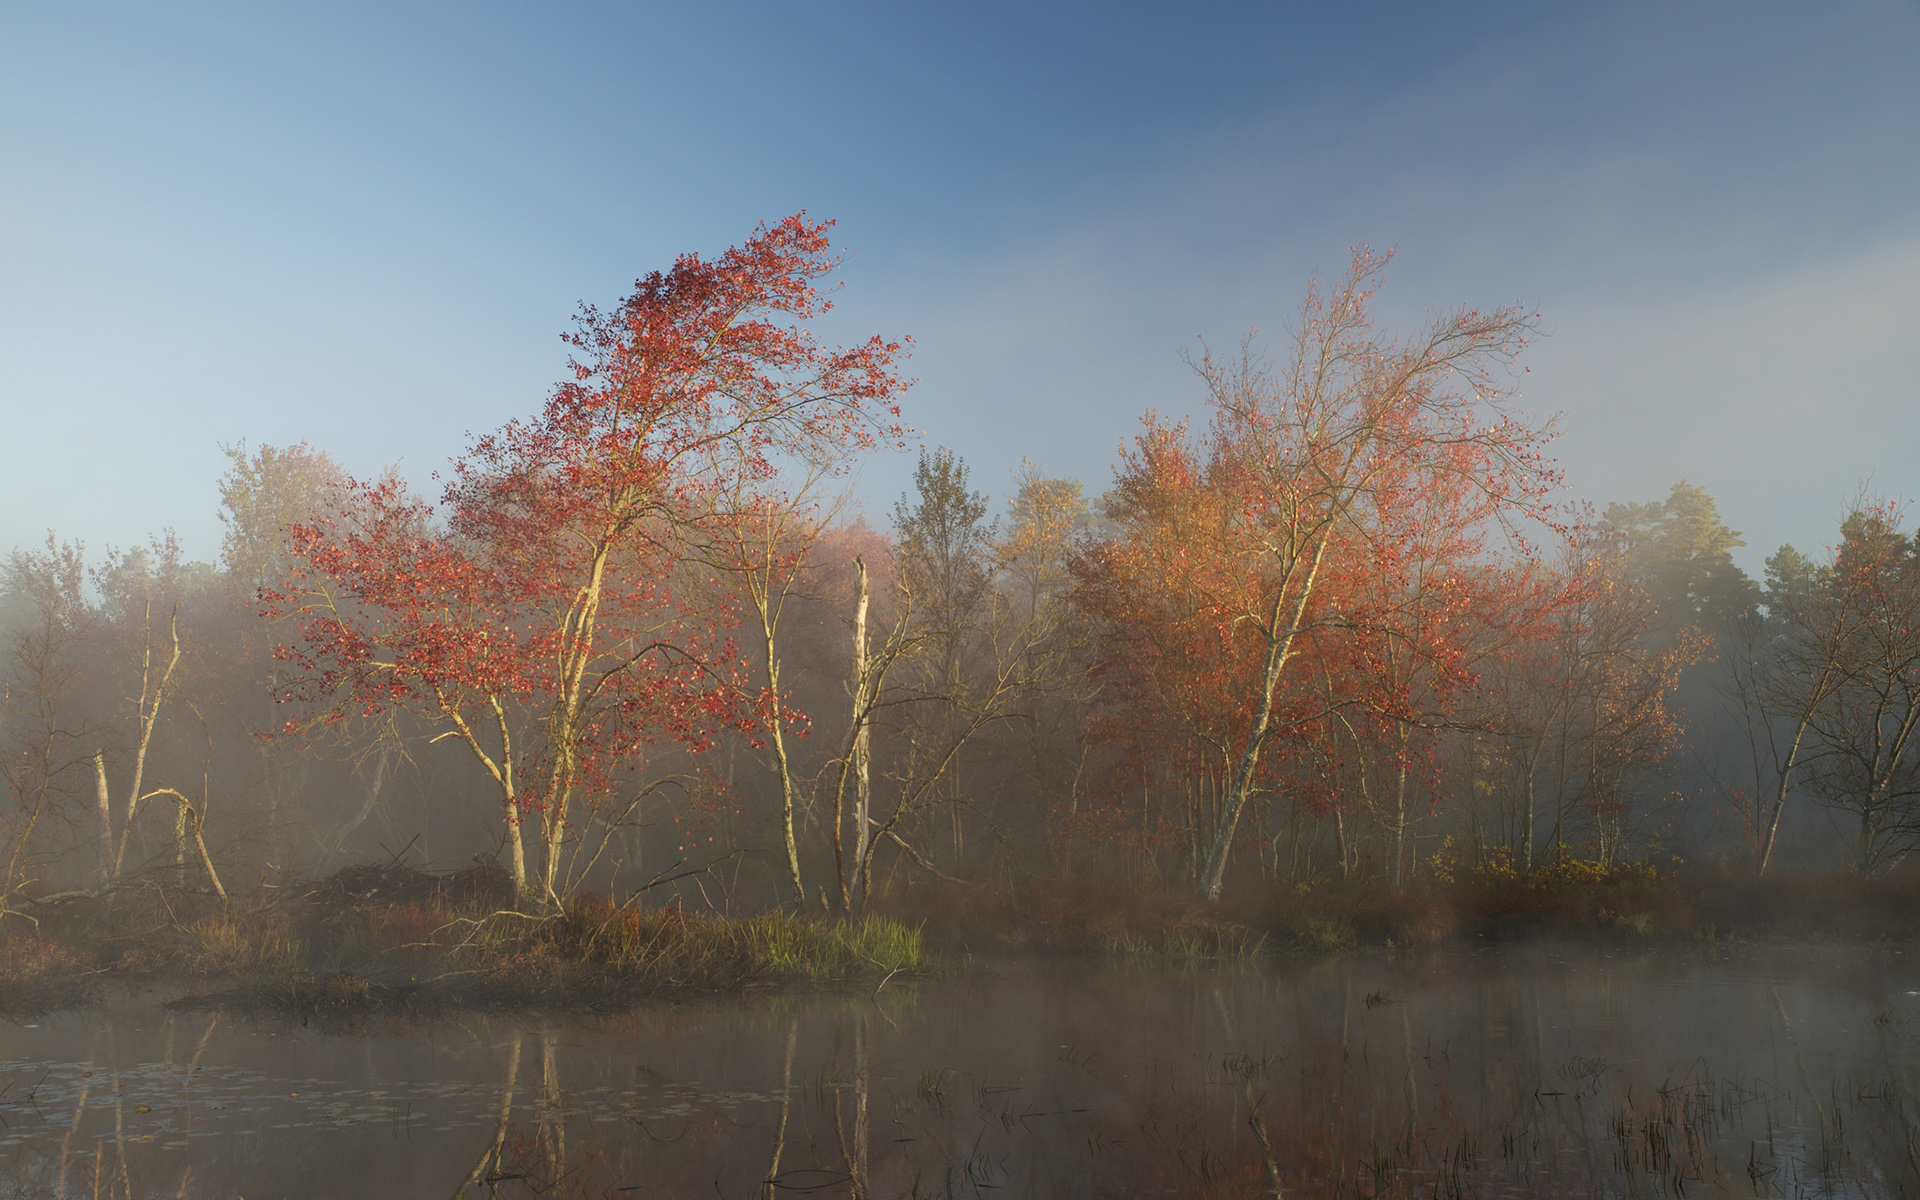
(366, 227)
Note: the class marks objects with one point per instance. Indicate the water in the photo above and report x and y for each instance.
(1475, 1073)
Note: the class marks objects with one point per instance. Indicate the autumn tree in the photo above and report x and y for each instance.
(543, 615)
(1395, 681)
(1170, 674)
(1323, 468)
(1578, 730)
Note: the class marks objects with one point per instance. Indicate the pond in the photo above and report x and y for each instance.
(1526, 1071)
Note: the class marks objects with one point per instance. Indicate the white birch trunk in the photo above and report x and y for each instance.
(862, 789)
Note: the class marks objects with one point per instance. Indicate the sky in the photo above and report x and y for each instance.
(367, 226)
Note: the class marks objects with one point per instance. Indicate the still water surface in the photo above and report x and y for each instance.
(1535, 1072)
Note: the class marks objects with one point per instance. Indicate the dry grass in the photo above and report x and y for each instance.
(39, 973)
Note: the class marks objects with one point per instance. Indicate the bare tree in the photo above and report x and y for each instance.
(40, 741)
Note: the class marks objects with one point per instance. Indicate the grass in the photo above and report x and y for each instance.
(39, 973)
(668, 949)
(1190, 944)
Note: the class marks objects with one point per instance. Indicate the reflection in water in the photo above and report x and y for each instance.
(487, 1169)
(1462, 1074)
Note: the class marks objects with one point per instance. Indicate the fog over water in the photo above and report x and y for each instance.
(1524, 1072)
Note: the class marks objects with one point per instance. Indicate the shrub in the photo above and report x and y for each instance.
(33, 957)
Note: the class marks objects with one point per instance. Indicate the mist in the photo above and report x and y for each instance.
(1223, 602)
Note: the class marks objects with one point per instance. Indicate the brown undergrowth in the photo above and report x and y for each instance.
(1566, 900)
(1809, 906)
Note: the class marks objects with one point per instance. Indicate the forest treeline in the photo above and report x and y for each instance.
(1342, 629)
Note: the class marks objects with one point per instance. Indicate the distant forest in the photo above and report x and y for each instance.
(1345, 629)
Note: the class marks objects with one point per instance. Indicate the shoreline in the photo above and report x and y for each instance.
(419, 947)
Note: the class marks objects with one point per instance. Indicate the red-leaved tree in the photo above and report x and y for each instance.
(549, 614)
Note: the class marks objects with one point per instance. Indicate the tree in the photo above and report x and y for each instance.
(764, 549)
(1781, 666)
(1583, 726)
(84, 683)
(1406, 667)
(263, 496)
(552, 591)
(1854, 646)
(1321, 474)
(944, 543)
(265, 493)
(1033, 560)
(963, 652)
(857, 555)
(135, 587)
(42, 742)
(1679, 552)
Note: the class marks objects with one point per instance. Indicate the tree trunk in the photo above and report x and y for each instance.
(862, 742)
(769, 1189)
(190, 819)
(366, 808)
(517, 849)
(180, 848)
(1279, 649)
(149, 717)
(502, 772)
(1526, 832)
(106, 817)
(1396, 878)
(1780, 800)
(553, 837)
(783, 767)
